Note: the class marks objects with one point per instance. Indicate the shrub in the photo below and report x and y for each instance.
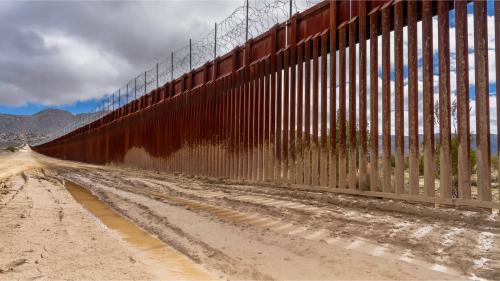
(11, 149)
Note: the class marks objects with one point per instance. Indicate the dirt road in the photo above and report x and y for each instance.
(234, 231)
(46, 234)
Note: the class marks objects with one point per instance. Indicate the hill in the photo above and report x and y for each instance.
(19, 129)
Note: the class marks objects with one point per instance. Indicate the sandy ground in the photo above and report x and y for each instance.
(231, 230)
(46, 234)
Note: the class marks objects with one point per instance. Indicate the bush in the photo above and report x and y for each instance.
(454, 158)
(11, 149)
(494, 162)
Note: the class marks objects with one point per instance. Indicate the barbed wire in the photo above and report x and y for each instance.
(221, 39)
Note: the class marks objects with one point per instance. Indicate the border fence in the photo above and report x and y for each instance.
(355, 97)
(248, 20)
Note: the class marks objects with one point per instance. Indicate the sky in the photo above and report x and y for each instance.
(68, 54)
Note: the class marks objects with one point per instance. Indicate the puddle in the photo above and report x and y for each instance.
(177, 266)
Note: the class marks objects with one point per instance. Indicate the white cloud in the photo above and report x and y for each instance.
(61, 52)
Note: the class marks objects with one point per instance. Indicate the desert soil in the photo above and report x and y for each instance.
(216, 229)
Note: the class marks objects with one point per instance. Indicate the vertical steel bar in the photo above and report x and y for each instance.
(222, 127)
(253, 123)
(261, 119)
(279, 121)
(444, 100)
(324, 102)
(413, 97)
(243, 122)
(215, 41)
(213, 126)
(219, 128)
(293, 91)
(272, 114)
(228, 159)
(267, 123)
(192, 165)
(482, 100)
(428, 90)
(260, 105)
(332, 179)
(189, 132)
(352, 104)
(342, 106)
(218, 112)
(374, 174)
(236, 116)
(246, 29)
(239, 121)
(286, 110)
(300, 110)
(399, 119)
(386, 100)
(204, 129)
(246, 121)
(199, 120)
(274, 38)
(307, 113)
(315, 119)
(232, 117)
(363, 180)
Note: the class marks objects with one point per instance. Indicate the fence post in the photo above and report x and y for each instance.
(352, 174)
(399, 99)
(482, 101)
(332, 179)
(215, 42)
(246, 36)
(461, 37)
(293, 58)
(190, 56)
(363, 179)
(172, 67)
(157, 76)
(428, 99)
(445, 184)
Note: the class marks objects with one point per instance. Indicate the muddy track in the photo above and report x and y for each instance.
(158, 224)
(465, 240)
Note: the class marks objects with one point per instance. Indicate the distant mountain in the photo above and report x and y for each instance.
(19, 129)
